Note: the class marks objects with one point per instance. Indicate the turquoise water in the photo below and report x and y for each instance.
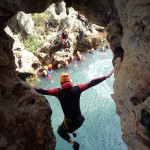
(101, 129)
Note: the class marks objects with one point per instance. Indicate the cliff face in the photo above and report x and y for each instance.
(25, 117)
(128, 28)
(132, 84)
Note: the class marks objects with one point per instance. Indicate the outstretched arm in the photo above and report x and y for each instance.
(94, 82)
(53, 92)
(110, 73)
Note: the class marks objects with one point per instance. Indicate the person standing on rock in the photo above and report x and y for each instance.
(65, 38)
(82, 18)
(69, 97)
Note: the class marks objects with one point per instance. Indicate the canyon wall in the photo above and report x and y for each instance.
(132, 74)
(25, 115)
(128, 28)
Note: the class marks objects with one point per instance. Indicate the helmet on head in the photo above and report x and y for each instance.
(66, 62)
(78, 53)
(107, 44)
(92, 49)
(71, 57)
(64, 77)
(58, 65)
(66, 31)
(45, 67)
(50, 66)
(44, 72)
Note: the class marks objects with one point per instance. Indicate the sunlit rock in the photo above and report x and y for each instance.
(22, 23)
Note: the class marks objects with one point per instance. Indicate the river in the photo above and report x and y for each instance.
(101, 129)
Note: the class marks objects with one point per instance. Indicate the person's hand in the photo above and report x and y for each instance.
(110, 73)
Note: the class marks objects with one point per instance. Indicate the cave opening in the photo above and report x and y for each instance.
(25, 116)
(44, 27)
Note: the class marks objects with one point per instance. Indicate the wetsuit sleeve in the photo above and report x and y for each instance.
(53, 92)
(93, 82)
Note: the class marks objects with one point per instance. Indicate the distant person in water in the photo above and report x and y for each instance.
(82, 18)
(80, 57)
(107, 46)
(45, 72)
(65, 38)
(103, 49)
(91, 50)
(58, 66)
(69, 98)
(66, 64)
(50, 68)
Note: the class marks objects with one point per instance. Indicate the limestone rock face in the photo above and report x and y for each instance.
(57, 13)
(132, 85)
(87, 40)
(22, 23)
(43, 54)
(99, 12)
(26, 62)
(17, 45)
(80, 36)
(61, 56)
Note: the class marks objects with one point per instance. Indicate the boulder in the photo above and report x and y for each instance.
(44, 58)
(22, 23)
(26, 62)
(98, 28)
(17, 45)
(86, 40)
(58, 13)
(61, 9)
(60, 56)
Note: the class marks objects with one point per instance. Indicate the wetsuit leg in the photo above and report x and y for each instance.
(63, 133)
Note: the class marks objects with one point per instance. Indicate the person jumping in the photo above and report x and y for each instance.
(69, 97)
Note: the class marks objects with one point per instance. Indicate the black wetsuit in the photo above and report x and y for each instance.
(69, 97)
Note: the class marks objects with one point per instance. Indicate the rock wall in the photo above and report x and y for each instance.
(128, 29)
(25, 116)
(132, 74)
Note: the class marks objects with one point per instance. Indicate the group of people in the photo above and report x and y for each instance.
(76, 57)
(46, 71)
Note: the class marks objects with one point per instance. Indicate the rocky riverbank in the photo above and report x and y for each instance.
(47, 33)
